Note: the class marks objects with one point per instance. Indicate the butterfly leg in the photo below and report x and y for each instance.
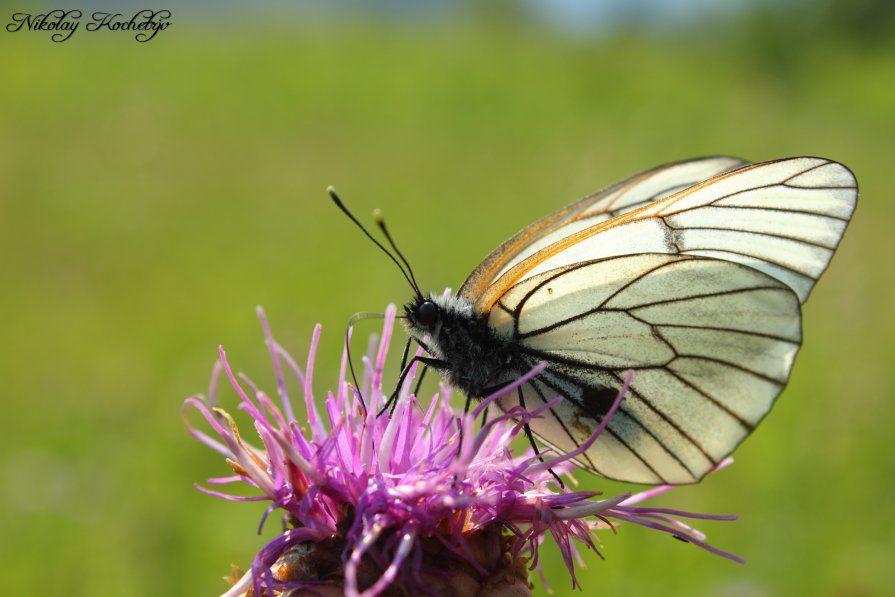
(531, 438)
(419, 380)
(422, 376)
(427, 361)
(487, 392)
(404, 355)
(467, 406)
(526, 428)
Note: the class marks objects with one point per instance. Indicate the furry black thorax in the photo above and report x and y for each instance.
(474, 359)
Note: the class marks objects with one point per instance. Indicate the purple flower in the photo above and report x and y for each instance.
(419, 500)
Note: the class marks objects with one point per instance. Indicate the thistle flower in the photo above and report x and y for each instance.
(418, 502)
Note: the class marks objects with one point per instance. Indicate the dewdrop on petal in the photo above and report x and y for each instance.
(378, 505)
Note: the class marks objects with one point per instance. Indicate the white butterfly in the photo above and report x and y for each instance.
(692, 274)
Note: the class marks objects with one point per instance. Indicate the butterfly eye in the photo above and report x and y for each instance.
(427, 313)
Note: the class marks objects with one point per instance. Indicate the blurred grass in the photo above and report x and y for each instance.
(153, 194)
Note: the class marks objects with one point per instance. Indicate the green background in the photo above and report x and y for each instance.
(152, 194)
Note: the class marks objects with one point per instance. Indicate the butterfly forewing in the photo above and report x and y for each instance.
(794, 212)
(632, 193)
(711, 343)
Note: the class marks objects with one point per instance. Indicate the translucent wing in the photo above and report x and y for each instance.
(784, 218)
(711, 342)
(634, 192)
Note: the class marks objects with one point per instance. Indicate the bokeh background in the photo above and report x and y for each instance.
(152, 194)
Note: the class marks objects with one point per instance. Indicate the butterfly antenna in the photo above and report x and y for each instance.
(380, 221)
(340, 205)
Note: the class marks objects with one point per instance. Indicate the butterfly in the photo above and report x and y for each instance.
(691, 274)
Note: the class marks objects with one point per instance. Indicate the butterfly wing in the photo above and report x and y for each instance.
(633, 192)
(784, 218)
(585, 298)
(711, 343)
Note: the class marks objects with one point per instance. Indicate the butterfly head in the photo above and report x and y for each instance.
(431, 315)
(423, 314)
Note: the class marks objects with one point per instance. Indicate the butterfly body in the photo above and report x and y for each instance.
(691, 275)
(474, 357)
(477, 359)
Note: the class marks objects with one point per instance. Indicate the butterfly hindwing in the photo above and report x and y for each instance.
(711, 343)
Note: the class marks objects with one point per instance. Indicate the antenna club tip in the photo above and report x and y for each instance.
(331, 191)
(378, 217)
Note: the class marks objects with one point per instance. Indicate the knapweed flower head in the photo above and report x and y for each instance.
(420, 501)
